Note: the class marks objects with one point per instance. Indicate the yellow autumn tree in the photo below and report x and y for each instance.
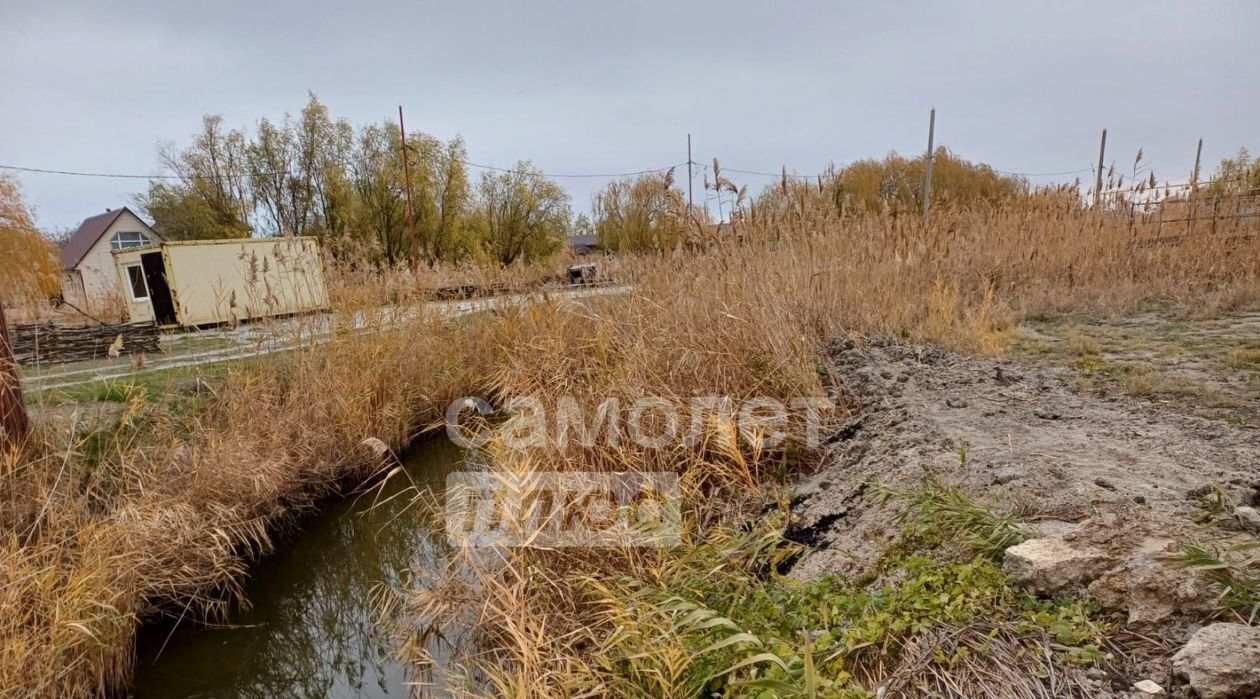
(897, 182)
(29, 267)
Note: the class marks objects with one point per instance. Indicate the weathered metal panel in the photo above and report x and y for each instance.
(224, 281)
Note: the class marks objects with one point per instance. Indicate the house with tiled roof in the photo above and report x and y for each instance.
(90, 277)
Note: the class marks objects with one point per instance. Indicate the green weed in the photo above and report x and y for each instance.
(1235, 570)
(935, 511)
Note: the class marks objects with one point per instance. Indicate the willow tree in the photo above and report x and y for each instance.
(521, 214)
(298, 174)
(315, 175)
(1237, 176)
(442, 198)
(210, 195)
(897, 182)
(31, 268)
(641, 214)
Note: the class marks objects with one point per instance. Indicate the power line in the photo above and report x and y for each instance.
(45, 171)
(495, 168)
(113, 175)
(789, 175)
(596, 174)
(830, 174)
(1045, 174)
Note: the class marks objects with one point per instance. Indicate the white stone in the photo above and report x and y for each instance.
(1052, 566)
(1148, 687)
(1221, 661)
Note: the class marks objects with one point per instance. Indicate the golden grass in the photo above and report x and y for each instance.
(159, 516)
(752, 318)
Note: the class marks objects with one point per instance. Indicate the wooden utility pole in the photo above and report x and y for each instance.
(15, 425)
(1194, 176)
(927, 175)
(1193, 214)
(1102, 152)
(690, 203)
(411, 212)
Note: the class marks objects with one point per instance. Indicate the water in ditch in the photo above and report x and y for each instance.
(312, 627)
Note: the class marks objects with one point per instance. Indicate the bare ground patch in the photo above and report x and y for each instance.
(1201, 366)
(1114, 469)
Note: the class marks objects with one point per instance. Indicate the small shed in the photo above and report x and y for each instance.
(584, 244)
(207, 282)
(89, 277)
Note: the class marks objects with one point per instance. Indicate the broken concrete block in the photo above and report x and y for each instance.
(1150, 591)
(1052, 566)
(1221, 661)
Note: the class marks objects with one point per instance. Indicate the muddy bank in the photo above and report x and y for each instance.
(1007, 433)
(1118, 477)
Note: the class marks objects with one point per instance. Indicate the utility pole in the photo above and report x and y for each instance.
(1102, 151)
(927, 175)
(411, 212)
(1194, 176)
(690, 203)
(14, 423)
(1193, 214)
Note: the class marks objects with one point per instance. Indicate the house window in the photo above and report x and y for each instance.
(127, 239)
(135, 277)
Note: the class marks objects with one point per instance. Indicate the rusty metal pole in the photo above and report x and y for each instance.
(411, 212)
(15, 425)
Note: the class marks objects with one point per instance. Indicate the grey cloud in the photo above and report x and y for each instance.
(610, 87)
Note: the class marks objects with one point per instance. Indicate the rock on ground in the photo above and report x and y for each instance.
(1149, 590)
(1052, 567)
(1221, 661)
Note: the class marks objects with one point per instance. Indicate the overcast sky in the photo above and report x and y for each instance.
(597, 87)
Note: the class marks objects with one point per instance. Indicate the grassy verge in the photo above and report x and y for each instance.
(1200, 364)
(150, 385)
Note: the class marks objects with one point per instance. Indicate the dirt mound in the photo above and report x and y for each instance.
(1009, 435)
(1109, 474)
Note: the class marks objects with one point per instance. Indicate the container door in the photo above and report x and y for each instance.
(159, 289)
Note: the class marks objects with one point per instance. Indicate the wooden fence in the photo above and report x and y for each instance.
(47, 343)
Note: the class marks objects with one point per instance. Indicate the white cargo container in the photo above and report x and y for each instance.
(207, 282)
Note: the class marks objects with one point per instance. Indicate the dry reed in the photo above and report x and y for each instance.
(160, 513)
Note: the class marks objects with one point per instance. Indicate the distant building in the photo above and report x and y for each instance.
(89, 276)
(584, 244)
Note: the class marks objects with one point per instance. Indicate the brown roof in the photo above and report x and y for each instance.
(90, 231)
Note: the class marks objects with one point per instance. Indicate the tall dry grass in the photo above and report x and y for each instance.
(752, 316)
(161, 512)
